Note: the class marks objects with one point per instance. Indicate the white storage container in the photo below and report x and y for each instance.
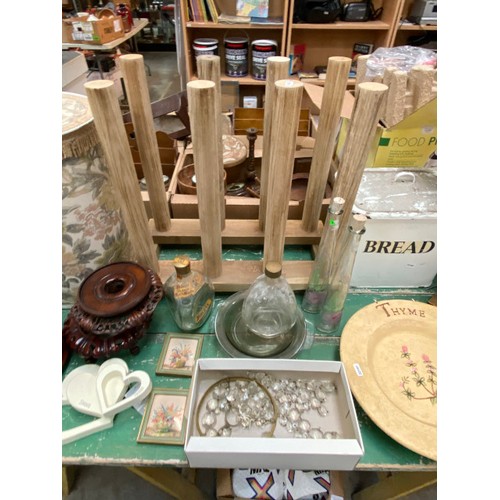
(399, 247)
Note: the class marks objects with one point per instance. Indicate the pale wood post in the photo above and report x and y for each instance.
(284, 126)
(337, 73)
(208, 68)
(276, 69)
(207, 155)
(359, 140)
(113, 137)
(134, 76)
(395, 107)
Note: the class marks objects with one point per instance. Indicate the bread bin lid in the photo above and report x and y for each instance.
(397, 193)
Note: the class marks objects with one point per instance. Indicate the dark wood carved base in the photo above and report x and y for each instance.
(93, 336)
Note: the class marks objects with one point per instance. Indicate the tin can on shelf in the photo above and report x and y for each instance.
(206, 46)
(236, 56)
(261, 51)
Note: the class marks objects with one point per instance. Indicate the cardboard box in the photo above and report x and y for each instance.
(280, 451)
(408, 144)
(224, 487)
(399, 247)
(96, 32)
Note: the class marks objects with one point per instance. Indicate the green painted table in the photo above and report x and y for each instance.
(157, 463)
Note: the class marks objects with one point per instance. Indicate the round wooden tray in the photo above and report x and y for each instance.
(389, 350)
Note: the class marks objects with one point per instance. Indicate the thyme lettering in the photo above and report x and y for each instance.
(400, 311)
(399, 246)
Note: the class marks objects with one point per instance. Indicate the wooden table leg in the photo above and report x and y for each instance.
(170, 481)
(68, 479)
(397, 485)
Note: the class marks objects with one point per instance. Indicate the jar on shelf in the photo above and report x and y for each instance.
(270, 308)
(190, 295)
(125, 13)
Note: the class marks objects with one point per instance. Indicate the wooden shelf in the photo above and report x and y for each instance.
(369, 25)
(226, 26)
(321, 40)
(417, 27)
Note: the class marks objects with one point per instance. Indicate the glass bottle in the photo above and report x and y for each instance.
(126, 14)
(317, 286)
(189, 294)
(270, 308)
(333, 306)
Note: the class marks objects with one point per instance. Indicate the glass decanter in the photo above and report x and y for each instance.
(190, 295)
(333, 306)
(270, 308)
(317, 286)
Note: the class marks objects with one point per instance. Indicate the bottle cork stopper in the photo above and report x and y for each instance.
(273, 270)
(182, 265)
(358, 222)
(336, 205)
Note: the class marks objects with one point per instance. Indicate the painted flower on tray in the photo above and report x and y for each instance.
(422, 384)
(165, 421)
(180, 356)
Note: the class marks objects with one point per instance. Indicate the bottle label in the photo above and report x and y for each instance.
(185, 288)
(200, 313)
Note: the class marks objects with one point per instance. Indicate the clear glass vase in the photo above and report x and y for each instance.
(270, 308)
(317, 286)
(338, 287)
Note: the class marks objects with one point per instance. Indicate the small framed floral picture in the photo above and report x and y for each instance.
(179, 354)
(164, 420)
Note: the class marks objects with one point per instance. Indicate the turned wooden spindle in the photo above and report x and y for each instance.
(250, 166)
(276, 69)
(207, 155)
(284, 127)
(136, 85)
(337, 73)
(113, 137)
(359, 140)
(208, 68)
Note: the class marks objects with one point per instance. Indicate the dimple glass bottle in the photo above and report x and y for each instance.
(270, 308)
(190, 295)
(317, 286)
(333, 306)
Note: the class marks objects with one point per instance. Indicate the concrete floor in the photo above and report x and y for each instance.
(118, 483)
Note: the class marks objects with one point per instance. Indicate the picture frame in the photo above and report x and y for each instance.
(179, 354)
(164, 420)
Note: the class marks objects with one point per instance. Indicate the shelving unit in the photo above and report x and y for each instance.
(322, 40)
(403, 31)
(337, 39)
(219, 31)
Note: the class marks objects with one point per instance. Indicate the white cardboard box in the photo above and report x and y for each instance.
(399, 246)
(280, 451)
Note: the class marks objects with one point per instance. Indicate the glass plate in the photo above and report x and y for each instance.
(238, 342)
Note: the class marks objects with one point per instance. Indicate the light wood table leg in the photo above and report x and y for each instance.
(397, 485)
(170, 481)
(68, 478)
